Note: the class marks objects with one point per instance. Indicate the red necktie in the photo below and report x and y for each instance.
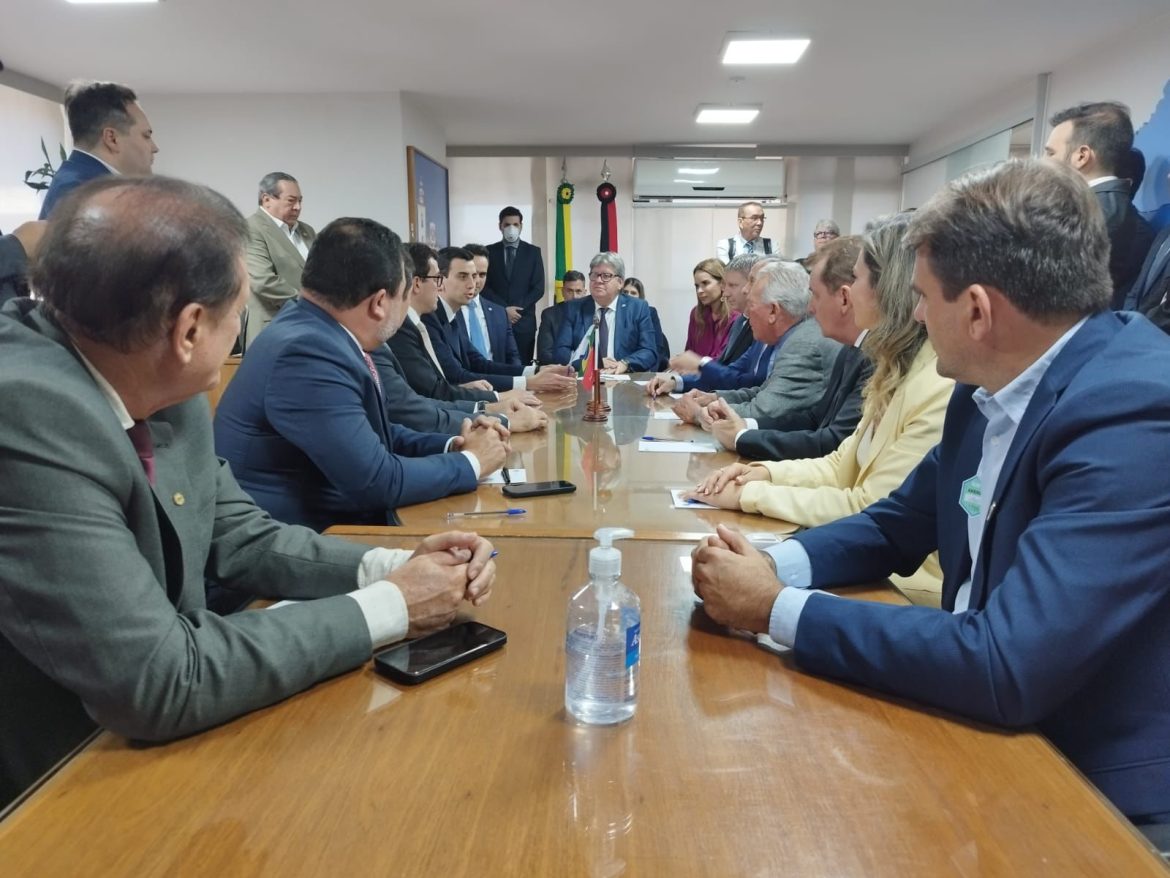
(143, 446)
(373, 371)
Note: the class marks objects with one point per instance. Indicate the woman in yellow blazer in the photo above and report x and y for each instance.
(902, 416)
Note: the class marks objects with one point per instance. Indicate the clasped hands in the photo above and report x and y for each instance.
(736, 581)
(445, 570)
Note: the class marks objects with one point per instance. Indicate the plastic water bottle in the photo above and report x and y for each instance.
(603, 639)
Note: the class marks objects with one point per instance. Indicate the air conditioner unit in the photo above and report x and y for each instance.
(657, 180)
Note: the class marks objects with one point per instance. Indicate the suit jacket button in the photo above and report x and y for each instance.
(178, 498)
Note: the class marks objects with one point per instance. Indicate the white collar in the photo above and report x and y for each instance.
(109, 167)
(107, 389)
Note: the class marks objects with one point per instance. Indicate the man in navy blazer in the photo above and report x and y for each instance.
(630, 344)
(1062, 619)
(497, 329)
(459, 359)
(1095, 140)
(110, 134)
(303, 423)
(516, 279)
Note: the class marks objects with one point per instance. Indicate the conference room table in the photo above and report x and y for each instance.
(617, 484)
(735, 764)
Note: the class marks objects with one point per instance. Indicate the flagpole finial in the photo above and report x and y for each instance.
(605, 172)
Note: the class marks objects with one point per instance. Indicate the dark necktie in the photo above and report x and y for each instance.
(509, 257)
(603, 337)
(143, 446)
(749, 246)
(373, 371)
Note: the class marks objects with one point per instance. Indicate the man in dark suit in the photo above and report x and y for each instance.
(625, 336)
(488, 327)
(551, 318)
(303, 422)
(458, 358)
(108, 530)
(16, 249)
(838, 412)
(110, 134)
(1056, 595)
(516, 280)
(1095, 140)
(1149, 289)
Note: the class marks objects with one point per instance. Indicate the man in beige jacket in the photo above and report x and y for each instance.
(278, 243)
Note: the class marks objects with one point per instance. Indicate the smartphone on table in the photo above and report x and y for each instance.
(539, 489)
(419, 660)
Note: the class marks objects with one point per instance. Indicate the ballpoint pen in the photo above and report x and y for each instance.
(451, 516)
(668, 439)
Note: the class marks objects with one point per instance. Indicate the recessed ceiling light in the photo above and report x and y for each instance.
(726, 115)
(742, 50)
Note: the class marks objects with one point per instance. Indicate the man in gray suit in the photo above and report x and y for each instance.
(278, 243)
(114, 508)
(801, 361)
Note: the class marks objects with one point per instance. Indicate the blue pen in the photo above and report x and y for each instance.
(667, 439)
(451, 516)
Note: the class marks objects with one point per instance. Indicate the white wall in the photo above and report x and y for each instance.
(660, 245)
(347, 151)
(25, 119)
(1132, 68)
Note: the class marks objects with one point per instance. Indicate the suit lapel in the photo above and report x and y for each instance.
(279, 240)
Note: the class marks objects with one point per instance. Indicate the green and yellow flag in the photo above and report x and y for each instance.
(564, 237)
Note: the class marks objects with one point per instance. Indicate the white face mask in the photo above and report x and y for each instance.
(511, 234)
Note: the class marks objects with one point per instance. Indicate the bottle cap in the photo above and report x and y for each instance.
(605, 560)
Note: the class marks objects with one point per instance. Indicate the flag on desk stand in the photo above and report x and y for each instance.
(564, 237)
(589, 361)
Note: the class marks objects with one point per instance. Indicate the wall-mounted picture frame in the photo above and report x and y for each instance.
(430, 206)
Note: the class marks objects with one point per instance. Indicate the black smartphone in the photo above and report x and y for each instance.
(429, 656)
(539, 489)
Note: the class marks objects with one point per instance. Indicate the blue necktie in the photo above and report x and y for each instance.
(474, 329)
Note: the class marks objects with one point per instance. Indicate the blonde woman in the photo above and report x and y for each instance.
(711, 318)
(902, 415)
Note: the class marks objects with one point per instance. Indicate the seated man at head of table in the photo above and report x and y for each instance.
(1050, 531)
(798, 359)
(838, 412)
(458, 357)
(113, 507)
(303, 422)
(626, 341)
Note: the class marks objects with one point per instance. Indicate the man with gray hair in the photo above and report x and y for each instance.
(278, 243)
(111, 135)
(801, 358)
(824, 231)
(625, 335)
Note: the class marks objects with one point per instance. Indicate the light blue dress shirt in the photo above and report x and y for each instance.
(1003, 410)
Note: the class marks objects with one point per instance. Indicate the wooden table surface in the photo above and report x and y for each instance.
(617, 485)
(735, 765)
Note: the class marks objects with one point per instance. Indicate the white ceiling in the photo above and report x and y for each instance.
(584, 73)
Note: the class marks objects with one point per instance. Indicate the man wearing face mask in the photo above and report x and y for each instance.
(515, 279)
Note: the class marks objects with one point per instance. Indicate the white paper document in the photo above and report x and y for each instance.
(675, 446)
(608, 377)
(497, 478)
(666, 416)
(676, 494)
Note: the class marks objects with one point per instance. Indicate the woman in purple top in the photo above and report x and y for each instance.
(711, 318)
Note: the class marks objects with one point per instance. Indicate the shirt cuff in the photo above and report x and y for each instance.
(384, 609)
(793, 566)
(752, 424)
(529, 370)
(703, 361)
(519, 383)
(676, 378)
(785, 616)
(377, 563)
(474, 461)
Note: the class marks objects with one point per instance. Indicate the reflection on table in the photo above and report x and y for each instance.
(735, 764)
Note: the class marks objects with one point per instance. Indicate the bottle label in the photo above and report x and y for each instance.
(633, 644)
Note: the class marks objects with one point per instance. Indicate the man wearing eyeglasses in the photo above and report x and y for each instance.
(751, 226)
(625, 339)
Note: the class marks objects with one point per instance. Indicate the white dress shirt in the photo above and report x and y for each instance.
(293, 234)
